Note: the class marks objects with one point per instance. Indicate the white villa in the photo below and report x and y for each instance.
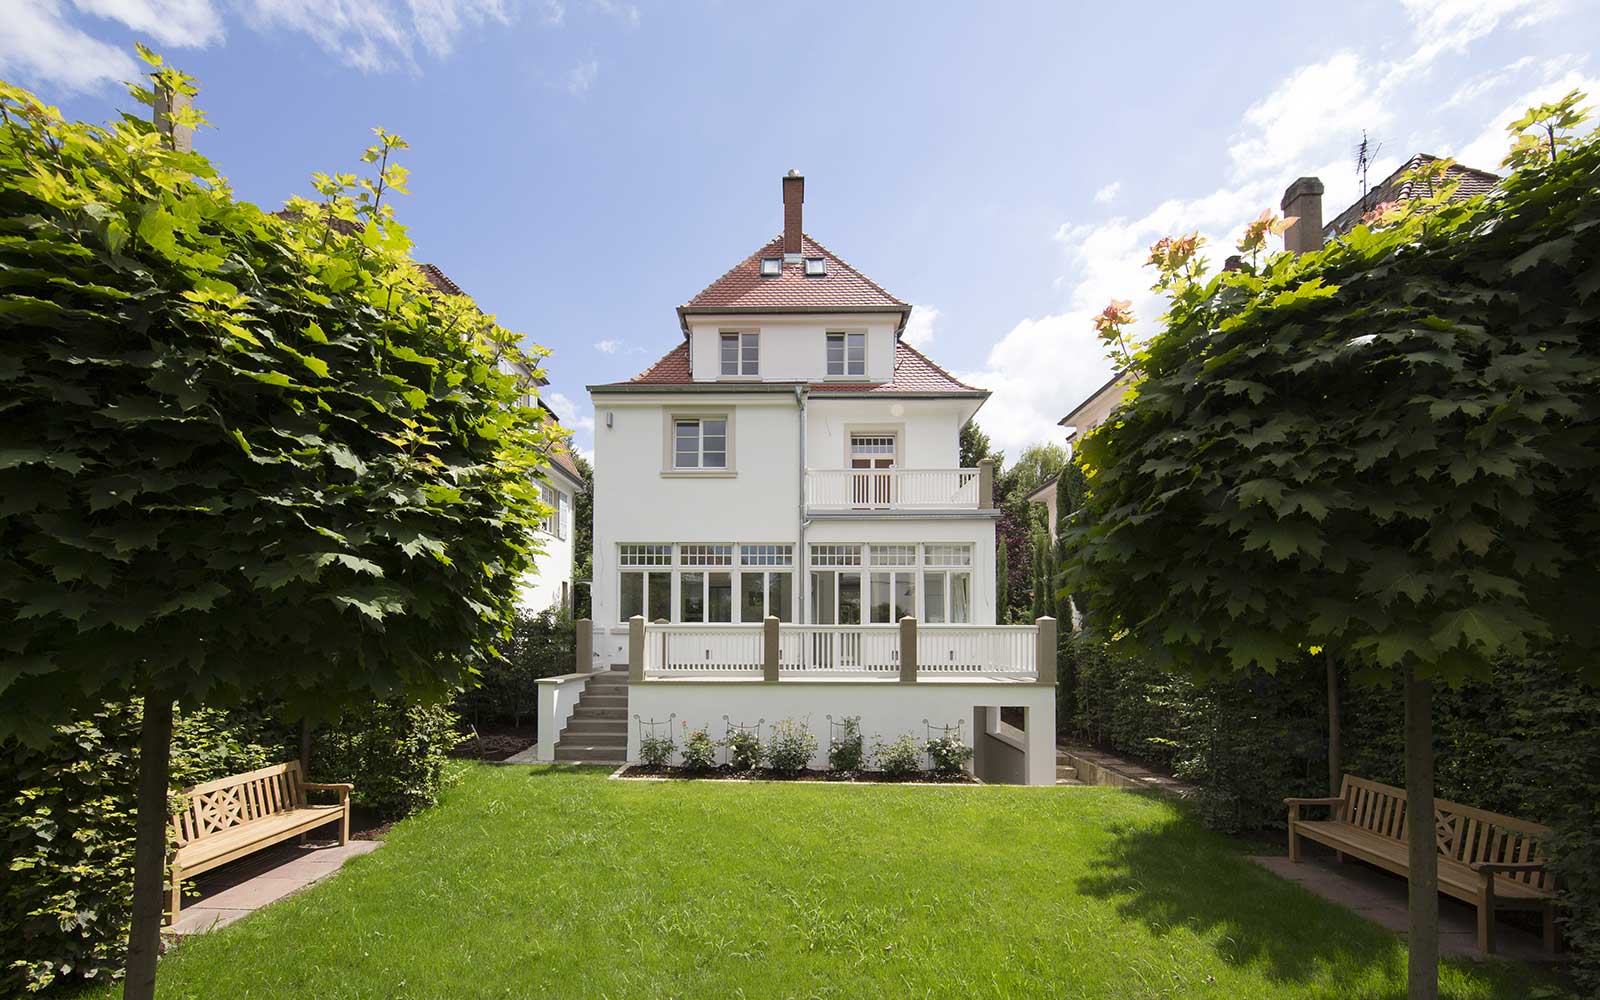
(782, 530)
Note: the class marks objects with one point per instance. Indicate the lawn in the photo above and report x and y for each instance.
(539, 882)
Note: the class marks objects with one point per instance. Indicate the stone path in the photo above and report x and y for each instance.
(223, 895)
(1381, 898)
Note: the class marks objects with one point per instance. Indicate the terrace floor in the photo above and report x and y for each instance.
(555, 882)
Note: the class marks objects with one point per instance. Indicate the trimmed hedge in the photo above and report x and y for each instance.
(1525, 742)
(394, 753)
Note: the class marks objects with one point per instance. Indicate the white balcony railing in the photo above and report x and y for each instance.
(1005, 652)
(892, 489)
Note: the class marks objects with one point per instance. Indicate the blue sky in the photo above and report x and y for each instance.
(582, 167)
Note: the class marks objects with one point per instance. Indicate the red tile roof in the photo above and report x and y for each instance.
(1470, 182)
(563, 458)
(913, 372)
(743, 287)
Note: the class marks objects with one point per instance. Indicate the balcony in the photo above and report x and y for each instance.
(865, 490)
(906, 651)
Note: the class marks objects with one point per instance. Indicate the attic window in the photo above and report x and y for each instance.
(771, 267)
(816, 267)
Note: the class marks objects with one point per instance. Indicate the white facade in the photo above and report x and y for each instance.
(549, 585)
(783, 530)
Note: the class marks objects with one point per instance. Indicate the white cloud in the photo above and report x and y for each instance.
(1452, 25)
(919, 330)
(608, 346)
(582, 76)
(1336, 96)
(39, 45)
(627, 13)
(169, 22)
(568, 413)
(375, 35)
(552, 13)
(1107, 194)
(1493, 142)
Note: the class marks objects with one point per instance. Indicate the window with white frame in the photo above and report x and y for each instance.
(646, 581)
(548, 496)
(881, 583)
(741, 354)
(700, 442)
(707, 583)
(847, 354)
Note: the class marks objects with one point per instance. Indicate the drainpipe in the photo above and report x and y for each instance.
(800, 544)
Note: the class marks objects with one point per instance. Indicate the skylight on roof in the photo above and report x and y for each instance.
(771, 267)
(816, 267)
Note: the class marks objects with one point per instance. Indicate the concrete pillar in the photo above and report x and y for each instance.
(583, 661)
(769, 649)
(908, 650)
(1303, 201)
(1044, 649)
(168, 103)
(986, 484)
(636, 648)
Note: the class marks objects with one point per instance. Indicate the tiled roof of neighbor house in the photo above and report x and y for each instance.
(439, 279)
(913, 372)
(1471, 183)
(744, 287)
(563, 458)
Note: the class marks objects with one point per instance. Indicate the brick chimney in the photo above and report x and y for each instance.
(1303, 200)
(794, 195)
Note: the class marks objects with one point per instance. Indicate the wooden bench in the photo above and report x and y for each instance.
(1486, 859)
(231, 817)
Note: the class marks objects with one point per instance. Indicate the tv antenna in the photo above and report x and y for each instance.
(1366, 152)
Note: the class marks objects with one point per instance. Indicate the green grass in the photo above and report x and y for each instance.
(537, 882)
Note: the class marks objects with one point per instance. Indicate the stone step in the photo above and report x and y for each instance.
(582, 711)
(595, 753)
(595, 726)
(591, 700)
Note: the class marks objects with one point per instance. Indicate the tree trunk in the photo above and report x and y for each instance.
(1423, 938)
(305, 748)
(150, 850)
(1335, 737)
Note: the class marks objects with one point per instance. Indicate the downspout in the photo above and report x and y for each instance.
(800, 392)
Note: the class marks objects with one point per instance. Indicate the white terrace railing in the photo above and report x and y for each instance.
(680, 650)
(893, 489)
(1000, 652)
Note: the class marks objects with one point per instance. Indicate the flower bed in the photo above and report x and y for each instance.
(725, 772)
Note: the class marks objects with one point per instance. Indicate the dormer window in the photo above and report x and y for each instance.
(816, 267)
(771, 267)
(741, 354)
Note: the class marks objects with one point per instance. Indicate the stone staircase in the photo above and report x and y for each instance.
(597, 733)
(1066, 774)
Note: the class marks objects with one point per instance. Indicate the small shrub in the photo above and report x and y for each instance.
(848, 752)
(655, 751)
(949, 756)
(744, 750)
(395, 753)
(699, 749)
(792, 746)
(900, 759)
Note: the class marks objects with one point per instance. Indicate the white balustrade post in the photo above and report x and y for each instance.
(583, 662)
(908, 650)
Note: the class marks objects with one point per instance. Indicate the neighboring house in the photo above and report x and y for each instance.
(550, 585)
(779, 497)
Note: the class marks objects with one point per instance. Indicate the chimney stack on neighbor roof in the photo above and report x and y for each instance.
(1303, 201)
(794, 195)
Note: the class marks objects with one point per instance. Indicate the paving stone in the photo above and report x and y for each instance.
(226, 894)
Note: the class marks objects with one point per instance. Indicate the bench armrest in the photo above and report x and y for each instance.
(344, 788)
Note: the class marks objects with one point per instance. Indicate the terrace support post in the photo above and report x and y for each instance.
(583, 645)
(908, 650)
(635, 649)
(769, 649)
(1044, 650)
(986, 484)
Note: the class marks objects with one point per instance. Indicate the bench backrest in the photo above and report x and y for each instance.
(1463, 833)
(213, 806)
